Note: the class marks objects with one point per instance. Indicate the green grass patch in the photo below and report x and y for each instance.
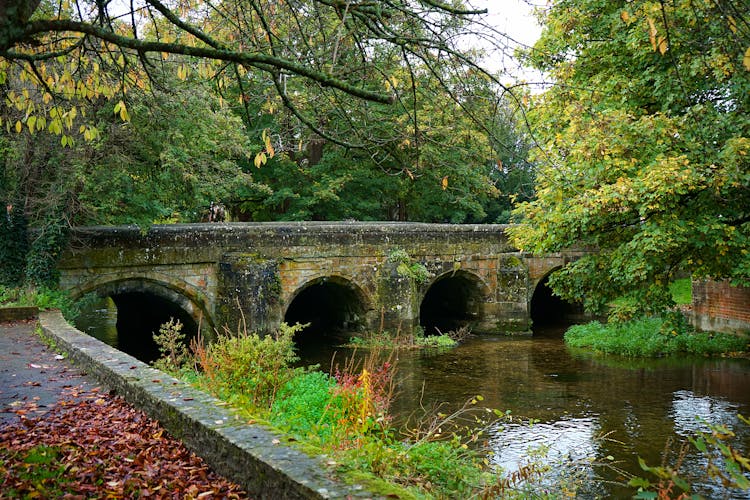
(43, 298)
(37, 472)
(651, 337)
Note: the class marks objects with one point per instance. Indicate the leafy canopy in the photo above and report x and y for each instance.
(645, 140)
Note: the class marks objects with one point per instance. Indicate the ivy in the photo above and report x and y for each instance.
(13, 245)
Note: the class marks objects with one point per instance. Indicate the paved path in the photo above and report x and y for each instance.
(33, 377)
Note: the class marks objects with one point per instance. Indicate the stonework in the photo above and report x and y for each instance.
(220, 273)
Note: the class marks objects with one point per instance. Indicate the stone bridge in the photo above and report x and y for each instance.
(337, 276)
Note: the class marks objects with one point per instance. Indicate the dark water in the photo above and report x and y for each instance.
(609, 409)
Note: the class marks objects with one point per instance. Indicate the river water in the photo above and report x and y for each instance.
(577, 407)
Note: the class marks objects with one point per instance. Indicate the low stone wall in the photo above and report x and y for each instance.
(720, 307)
(17, 313)
(248, 454)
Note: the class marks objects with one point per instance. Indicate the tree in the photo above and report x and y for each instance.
(335, 47)
(645, 139)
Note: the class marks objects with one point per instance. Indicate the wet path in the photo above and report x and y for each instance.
(33, 377)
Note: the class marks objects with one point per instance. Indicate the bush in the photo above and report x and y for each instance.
(651, 337)
(172, 347)
(249, 365)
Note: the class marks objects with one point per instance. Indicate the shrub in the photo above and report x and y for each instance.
(650, 337)
(172, 347)
(249, 365)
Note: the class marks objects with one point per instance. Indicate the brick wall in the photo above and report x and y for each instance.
(718, 306)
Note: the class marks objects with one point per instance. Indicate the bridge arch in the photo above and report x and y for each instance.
(547, 309)
(333, 305)
(143, 304)
(453, 300)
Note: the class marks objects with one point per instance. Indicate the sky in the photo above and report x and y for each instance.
(516, 19)
(513, 17)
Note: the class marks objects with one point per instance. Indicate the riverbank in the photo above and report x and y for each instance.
(653, 337)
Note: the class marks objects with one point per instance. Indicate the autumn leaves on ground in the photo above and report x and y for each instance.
(93, 444)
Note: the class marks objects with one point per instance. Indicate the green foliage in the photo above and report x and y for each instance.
(43, 298)
(172, 345)
(415, 271)
(682, 291)
(650, 337)
(249, 366)
(725, 464)
(442, 469)
(645, 144)
(307, 405)
(444, 340)
(13, 244)
(46, 248)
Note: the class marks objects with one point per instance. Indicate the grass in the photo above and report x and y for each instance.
(385, 340)
(654, 337)
(651, 337)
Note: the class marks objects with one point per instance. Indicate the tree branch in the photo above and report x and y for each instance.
(258, 60)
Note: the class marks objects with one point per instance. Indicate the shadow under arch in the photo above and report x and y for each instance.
(453, 300)
(547, 310)
(332, 305)
(142, 306)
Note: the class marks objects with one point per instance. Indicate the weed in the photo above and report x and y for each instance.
(172, 347)
(724, 463)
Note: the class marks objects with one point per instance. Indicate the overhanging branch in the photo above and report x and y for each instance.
(258, 60)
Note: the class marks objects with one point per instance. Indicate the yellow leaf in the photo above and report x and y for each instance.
(662, 45)
(19, 126)
(260, 159)
(445, 183)
(31, 122)
(746, 60)
(625, 16)
(652, 33)
(122, 110)
(732, 24)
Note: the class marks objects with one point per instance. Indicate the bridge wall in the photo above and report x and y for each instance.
(224, 273)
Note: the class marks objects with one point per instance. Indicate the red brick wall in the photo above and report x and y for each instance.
(721, 307)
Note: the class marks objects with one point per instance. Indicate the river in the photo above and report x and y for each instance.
(582, 409)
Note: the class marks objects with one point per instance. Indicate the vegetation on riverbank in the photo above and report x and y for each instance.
(651, 337)
(42, 297)
(416, 340)
(345, 416)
